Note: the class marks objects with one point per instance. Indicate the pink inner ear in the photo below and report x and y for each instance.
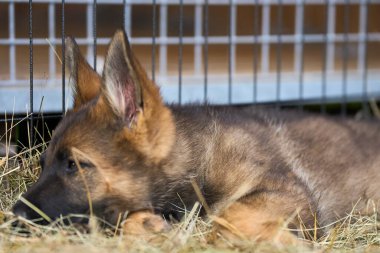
(130, 99)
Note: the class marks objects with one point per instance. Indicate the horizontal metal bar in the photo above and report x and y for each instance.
(27, 117)
(309, 38)
(193, 89)
(171, 79)
(291, 102)
(192, 2)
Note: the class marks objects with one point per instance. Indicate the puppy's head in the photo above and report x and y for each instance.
(104, 150)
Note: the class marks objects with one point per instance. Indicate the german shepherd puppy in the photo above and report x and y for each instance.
(122, 149)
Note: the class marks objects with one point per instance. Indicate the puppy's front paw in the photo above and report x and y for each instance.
(145, 224)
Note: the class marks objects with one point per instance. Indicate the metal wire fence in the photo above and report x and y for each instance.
(266, 81)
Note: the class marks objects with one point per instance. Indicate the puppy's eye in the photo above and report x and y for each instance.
(71, 167)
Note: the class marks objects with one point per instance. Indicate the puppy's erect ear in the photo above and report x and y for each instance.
(86, 82)
(122, 83)
(136, 100)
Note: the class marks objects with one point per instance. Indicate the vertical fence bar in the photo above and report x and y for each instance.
(163, 37)
(346, 26)
(63, 58)
(330, 35)
(363, 12)
(12, 47)
(124, 14)
(154, 40)
(279, 53)
(31, 131)
(231, 48)
(325, 58)
(52, 46)
(299, 48)
(255, 48)
(89, 32)
(94, 5)
(363, 52)
(198, 20)
(180, 52)
(265, 30)
(230, 54)
(127, 17)
(205, 52)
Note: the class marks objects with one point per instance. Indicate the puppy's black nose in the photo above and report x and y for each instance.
(22, 210)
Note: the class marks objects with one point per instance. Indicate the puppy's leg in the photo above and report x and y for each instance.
(260, 218)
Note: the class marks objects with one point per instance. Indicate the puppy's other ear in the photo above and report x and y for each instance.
(86, 82)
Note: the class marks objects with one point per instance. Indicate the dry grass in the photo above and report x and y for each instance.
(354, 233)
